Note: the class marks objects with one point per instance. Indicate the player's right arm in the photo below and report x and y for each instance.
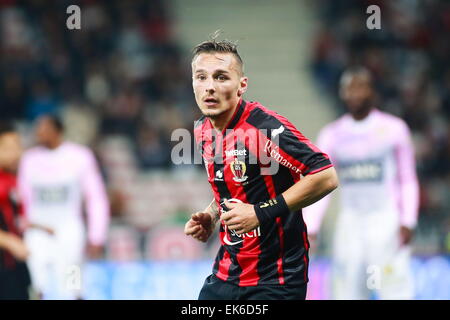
(201, 224)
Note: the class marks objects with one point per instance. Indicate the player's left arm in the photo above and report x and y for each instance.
(310, 189)
(319, 179)
(97, 206)
(408, 185)
(244, 217)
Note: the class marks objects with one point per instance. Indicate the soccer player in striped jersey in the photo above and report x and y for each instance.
(262, 171)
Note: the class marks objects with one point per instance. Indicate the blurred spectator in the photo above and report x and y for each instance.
(41, 101)
(13, 96)
(121, 113)
(152, 151)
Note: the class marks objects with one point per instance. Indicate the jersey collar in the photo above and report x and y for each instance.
(236, 116)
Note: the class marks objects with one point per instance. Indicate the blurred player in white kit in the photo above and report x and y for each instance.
(55, 179)
(374, 158)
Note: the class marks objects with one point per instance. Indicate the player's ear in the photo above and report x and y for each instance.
(242, 86)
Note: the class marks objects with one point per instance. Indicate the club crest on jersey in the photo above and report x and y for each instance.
(239, 168)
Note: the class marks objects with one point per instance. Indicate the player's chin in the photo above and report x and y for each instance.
(212, 113)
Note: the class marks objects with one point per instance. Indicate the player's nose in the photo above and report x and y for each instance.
(209, 86)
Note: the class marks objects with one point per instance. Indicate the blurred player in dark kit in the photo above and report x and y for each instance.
(14, 276)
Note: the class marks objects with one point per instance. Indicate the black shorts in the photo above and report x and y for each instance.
(14, 283)
(217, 289)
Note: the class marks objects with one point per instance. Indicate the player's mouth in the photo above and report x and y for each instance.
(210, 102)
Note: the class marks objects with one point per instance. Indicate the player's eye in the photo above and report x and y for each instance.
(201, 77)
(221, 77)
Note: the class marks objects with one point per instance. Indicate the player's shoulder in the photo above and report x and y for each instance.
(262, 117)
(391, 120)
(75, 147)
(30, 156)
(33, 151)
(77, 150)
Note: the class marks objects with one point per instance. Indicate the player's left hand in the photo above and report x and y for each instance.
(405, 235)
(241, 217)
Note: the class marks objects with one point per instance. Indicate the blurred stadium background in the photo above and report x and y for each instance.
(122, 84)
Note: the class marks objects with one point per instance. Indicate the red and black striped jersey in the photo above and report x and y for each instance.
(9, 212)
(259, 155)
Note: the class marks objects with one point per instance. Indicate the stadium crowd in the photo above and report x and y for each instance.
(122, 68)
(125, 74)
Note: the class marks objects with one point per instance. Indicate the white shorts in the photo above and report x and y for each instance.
(368, 258)
(55, 261)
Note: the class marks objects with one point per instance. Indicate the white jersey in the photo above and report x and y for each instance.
(374, 159)
(54, 184)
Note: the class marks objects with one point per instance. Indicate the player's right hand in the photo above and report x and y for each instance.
(200, 226)
(17, 248)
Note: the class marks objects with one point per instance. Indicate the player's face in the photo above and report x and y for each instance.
(218, 83)
(356, 91)
(46, 132)
(11, 150)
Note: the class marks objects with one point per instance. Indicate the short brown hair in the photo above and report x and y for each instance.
(223, 46)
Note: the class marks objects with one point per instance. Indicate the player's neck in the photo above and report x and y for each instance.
(220, 123)
(52, 145)
(361, 114)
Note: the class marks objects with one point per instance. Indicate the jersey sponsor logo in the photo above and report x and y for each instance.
(255, 233)
(235, 153)
(51, 194)
(228, 242)
(272, 150)
(239, 168)
(278, 131)
(370, 170)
